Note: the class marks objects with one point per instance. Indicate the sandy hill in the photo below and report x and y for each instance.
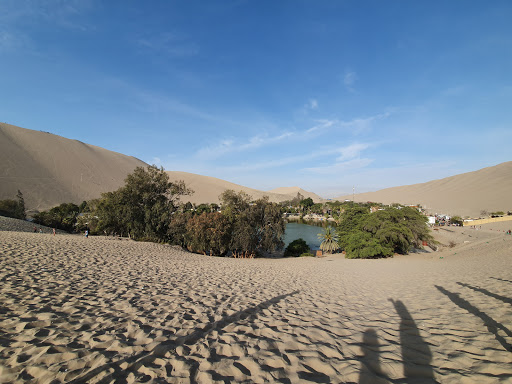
(51, 169)
(292, 191)
(466, 194)
(208, 189)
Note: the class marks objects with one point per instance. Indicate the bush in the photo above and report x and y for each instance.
(307, 254)
(296, 248)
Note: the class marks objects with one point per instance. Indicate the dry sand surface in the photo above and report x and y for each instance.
(105, 310)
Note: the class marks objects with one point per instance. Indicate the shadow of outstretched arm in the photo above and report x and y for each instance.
(492, 325)
(486, 292)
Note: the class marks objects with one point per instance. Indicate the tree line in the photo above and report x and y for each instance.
(148, 207)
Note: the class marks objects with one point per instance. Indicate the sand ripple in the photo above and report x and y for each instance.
(101, 310)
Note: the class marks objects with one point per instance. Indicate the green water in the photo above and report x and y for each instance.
(307, 232)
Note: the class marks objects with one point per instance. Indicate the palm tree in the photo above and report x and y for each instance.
(329, 240)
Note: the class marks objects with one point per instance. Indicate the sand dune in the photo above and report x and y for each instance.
(465, 194)
(208, 189)
(103, 310)
(51, 169)
(292, 191)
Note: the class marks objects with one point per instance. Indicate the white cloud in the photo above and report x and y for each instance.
(357, 125)
(352, 151)
(343, 166)
(349, 159)
(349, 79)
(228, 146)
(170, 44)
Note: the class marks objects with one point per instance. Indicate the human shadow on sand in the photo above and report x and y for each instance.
(147, 357)
(486, 292)
(497, 278)
(492, 325)
(370, 364)
(416, 354)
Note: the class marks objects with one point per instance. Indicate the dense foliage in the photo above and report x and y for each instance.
(142, 208)
(244, 228)
(380, 234)
(13, 208)
(61, 217)
(296, 248)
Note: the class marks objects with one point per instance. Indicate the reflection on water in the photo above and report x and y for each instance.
(307, 232)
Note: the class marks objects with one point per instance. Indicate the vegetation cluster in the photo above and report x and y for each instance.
(13, 208)
(149, 208)
(382, 233)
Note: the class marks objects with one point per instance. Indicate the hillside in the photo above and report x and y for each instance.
(208, 189)
(51, 169)
(466, 194)
(292, 191)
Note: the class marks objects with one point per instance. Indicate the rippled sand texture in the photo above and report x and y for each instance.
(104, 310)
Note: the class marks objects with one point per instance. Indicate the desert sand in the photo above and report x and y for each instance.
(102, 310)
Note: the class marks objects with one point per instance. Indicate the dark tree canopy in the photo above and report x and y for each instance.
(13, 208)
(142, 208)
(392, 230)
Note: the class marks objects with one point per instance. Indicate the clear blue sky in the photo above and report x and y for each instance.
(325, 95)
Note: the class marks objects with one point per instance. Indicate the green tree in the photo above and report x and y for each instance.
(257, 227)
(142, 208)
(307, 203)
(329, 240)
(13, 208)
(362, 245)
(380, 234)
(208, 233)
(62, 217)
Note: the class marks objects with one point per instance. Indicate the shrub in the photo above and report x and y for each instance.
(296, 248)
(307, 254)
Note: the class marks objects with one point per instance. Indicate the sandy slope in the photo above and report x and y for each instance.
(465, 195)
(98, 310)
(292, 191)
(208, 189)
(51, 169)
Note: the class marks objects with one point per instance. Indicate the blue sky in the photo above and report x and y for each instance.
(325, 95)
